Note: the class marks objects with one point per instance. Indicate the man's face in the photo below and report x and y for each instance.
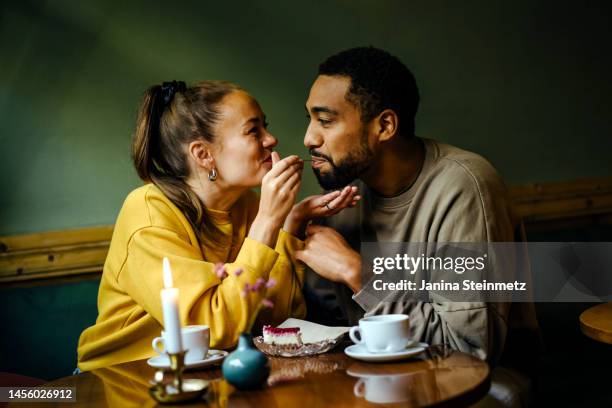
(337, 139)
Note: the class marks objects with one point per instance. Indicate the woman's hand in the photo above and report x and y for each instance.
(319, 206)
(279, 189)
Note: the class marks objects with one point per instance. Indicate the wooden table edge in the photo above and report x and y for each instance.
(469, 397)
(466, 398)
(593, 332)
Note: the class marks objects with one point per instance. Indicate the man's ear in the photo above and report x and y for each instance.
(199, 153)
(387, 124)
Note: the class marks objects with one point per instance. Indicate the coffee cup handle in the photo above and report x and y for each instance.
(359, 388)
(353, 335)
(156, 343)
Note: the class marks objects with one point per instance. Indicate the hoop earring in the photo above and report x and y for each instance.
(212, 175)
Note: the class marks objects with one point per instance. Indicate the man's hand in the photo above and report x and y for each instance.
(328, 254)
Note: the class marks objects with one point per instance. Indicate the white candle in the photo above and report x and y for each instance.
(170, 306)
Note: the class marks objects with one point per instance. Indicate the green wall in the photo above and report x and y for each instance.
(525, 83)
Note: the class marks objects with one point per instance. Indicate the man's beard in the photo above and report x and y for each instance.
(351, 167)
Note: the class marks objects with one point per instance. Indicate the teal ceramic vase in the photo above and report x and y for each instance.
(246, 368)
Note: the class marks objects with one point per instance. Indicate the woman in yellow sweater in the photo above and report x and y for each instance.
(200, 150)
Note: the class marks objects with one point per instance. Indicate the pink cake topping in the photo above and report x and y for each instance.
(281, 331)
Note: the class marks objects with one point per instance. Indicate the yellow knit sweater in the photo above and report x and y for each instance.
(150, 227)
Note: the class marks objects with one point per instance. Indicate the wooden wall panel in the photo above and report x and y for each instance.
(54, 254)
(563, 200)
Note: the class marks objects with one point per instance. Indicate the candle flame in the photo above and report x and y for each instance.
(167, 273)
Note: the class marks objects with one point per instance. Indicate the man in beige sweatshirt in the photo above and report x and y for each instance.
(361, 131)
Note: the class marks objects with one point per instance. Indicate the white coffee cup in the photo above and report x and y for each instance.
(196, 340)
(384, 333)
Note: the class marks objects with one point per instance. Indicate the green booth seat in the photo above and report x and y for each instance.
(41, 325)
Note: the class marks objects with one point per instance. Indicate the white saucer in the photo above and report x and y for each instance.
(359, 352)
(213, 357)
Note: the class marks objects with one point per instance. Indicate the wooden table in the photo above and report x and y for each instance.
(596, 322)
(440, 377)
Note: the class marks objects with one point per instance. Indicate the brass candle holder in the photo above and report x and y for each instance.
(179, 390)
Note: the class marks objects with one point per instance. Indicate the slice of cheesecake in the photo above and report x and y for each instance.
(285, 336)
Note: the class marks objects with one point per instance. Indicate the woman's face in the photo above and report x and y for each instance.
(243, 145)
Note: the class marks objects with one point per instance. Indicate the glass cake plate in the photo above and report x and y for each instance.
(291, 350)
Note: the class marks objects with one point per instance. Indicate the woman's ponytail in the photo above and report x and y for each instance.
(145, 142)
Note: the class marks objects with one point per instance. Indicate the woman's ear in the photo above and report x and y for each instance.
(388, 124)
(199, 153)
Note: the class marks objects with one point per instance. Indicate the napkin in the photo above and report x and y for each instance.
(313, 332)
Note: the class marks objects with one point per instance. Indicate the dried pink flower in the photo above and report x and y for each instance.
(267, 303)
(259, 283)
(271, 282)
(238, 272)
(221, 274)
(220, 270)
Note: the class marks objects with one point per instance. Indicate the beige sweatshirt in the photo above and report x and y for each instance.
(458, 197)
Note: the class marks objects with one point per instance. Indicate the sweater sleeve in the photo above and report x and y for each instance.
(204, 298)
(288, 273)
(475, 211)
(468, 211)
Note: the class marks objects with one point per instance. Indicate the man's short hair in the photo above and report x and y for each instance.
(379, 81)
